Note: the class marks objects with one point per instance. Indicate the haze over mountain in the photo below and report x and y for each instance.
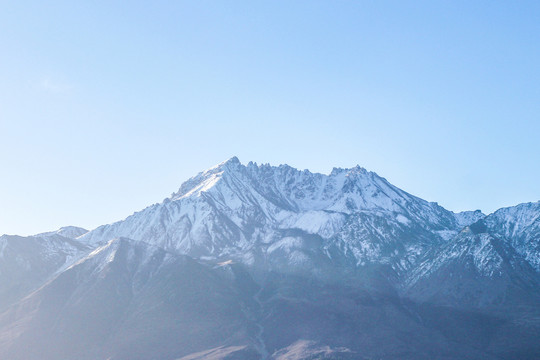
(263, 262)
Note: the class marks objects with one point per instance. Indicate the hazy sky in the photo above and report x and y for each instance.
(107, 107)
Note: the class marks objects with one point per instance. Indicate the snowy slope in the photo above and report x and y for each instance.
(475, 271)
(242, 210)
(70, 232)
(520, 226)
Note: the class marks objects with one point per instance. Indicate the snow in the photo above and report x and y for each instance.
(231, 196)
(486, 258)
(466, 218)
(286, 244)
(520, 226)
(402, 219)
(232, 209)
(70, 232)
(323, 223)
(478, 249)
(447, 234)
(206, 185)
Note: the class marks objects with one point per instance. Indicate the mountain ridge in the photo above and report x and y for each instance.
(284, 197)
(294, 264)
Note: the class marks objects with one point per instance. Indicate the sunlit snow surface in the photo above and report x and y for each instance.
(233, 208)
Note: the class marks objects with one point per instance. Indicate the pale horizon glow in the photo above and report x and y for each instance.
(107, 108)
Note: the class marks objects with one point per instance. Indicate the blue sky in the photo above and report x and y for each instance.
(107, 107)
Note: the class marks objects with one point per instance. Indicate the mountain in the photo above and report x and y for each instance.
(131, 300)
(27, 262)
(520, 226)
(102, 306)
(269, 262)
(476, 270)
(249, 213)
(70, 232)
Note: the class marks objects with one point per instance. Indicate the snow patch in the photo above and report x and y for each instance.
(402, 219)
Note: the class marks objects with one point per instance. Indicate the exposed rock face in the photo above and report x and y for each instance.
(261, 262)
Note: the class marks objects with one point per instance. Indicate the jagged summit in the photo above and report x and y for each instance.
(343, 190)
(234, 165)
(234, 208)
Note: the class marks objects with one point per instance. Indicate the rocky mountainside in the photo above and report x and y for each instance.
(125, 300)
(245, 213)
(263, 262)
(520, 227)
(27, 262)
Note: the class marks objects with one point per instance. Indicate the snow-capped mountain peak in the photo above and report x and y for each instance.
(233, 208)
(343, 190)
